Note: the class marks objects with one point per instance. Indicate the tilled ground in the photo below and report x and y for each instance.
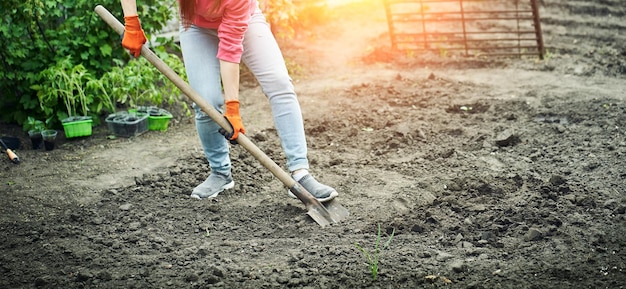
(489, 174)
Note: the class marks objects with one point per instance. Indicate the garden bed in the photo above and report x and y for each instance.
(493, 174)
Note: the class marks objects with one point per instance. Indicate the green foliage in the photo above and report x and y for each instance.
(100, 94)
(286, 17)
(282, 17)
(139, 83)
(37, 34)
(310, 14)
(294, 67)
(66, 82)
(374, 256)
(33, 124)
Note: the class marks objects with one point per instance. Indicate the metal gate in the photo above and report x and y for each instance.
(471, 27)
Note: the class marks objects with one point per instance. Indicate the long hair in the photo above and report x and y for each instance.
(188, 10)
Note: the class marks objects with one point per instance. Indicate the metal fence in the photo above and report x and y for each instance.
(469, 27)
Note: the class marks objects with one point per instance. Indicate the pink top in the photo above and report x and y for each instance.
(230, 20)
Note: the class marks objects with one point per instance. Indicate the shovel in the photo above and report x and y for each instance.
(324, 214)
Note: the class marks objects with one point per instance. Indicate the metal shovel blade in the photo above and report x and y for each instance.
(327, 213)
(323, 214)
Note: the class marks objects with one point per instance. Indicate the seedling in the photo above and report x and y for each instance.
(32, 124)
(374, 256)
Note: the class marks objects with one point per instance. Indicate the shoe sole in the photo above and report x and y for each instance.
(225, 187)
(332, 195)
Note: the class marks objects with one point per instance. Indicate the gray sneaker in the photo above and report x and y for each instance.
(321, 192)
(213, 185)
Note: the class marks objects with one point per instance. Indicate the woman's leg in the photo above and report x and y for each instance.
(264, 58)
(199, 47)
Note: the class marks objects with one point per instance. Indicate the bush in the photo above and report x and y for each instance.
(139, 83)
(288, 18)
(36, 34)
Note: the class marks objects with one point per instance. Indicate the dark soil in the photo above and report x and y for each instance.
(490, 173)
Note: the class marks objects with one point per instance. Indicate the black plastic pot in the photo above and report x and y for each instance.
(49, 139)
(127, 125)
(35, 139)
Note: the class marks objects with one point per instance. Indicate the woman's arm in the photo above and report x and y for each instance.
(134, 38)
(229, 72)
(230, 32)
(129, 7)
(230, 79)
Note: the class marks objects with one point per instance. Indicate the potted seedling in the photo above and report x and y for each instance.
(158, 118)
(34, 127)
(127, 124)
(67, 82)
(123, 123)
(49, 137)
(143, 89)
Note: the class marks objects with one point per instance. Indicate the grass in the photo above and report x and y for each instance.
(373, 257)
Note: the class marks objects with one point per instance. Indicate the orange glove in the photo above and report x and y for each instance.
(134, 37)
(233, 117)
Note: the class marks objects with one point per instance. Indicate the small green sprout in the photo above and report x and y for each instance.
(374, 256)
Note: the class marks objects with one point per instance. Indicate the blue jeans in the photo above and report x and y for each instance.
(265, 60)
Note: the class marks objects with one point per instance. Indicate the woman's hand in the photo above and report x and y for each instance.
(133, 37)
(234, 118)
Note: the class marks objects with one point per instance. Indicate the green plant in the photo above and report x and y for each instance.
(81, 94)
(32, 124)
(548, 55)
(139, 83)
(106, 102)
(282, 17)
(67, 82)
(374, 256)
(36, 34)
(287, 17)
